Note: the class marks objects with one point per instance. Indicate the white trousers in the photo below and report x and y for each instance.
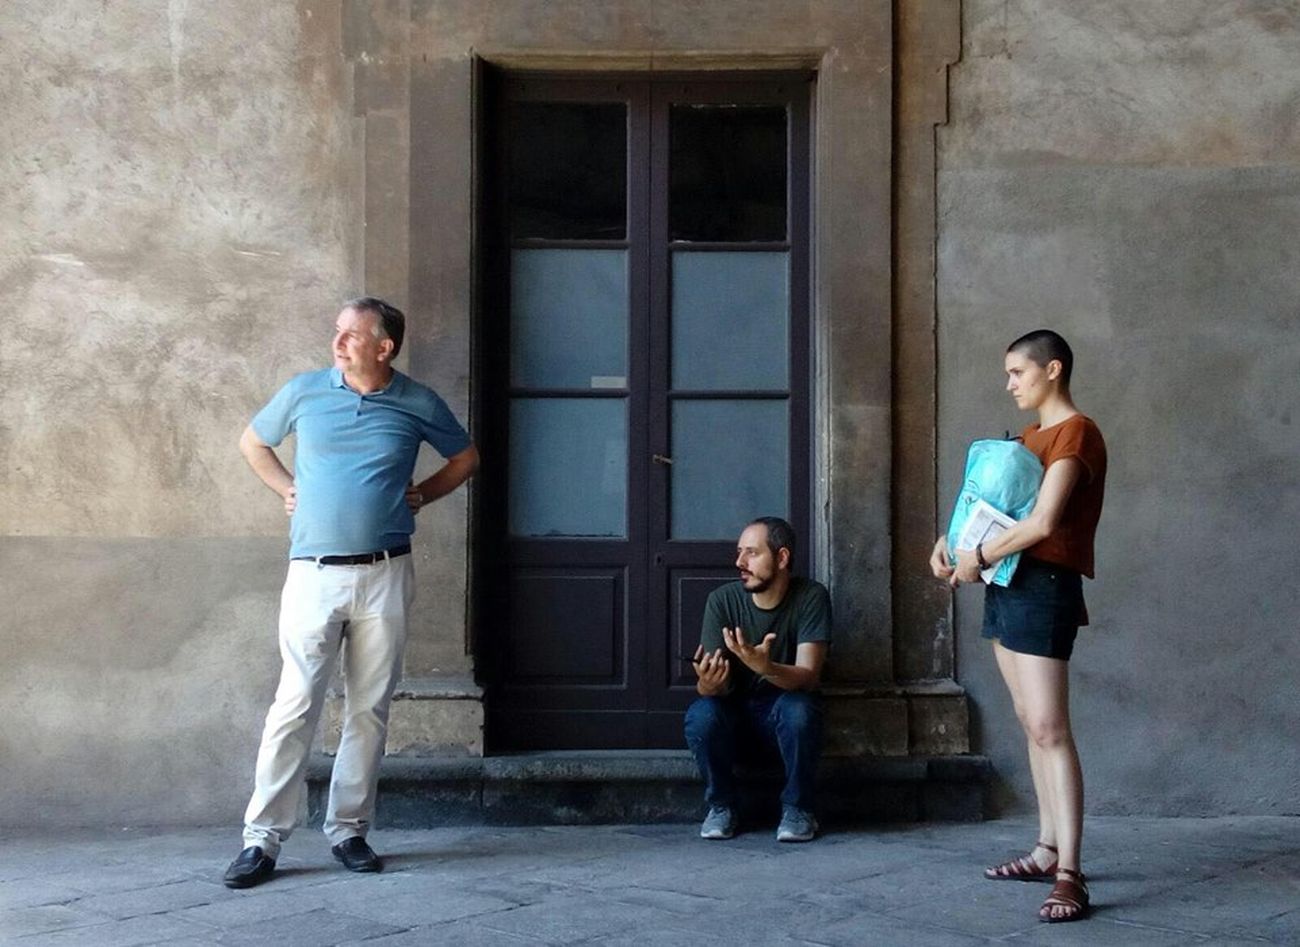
(361, 611)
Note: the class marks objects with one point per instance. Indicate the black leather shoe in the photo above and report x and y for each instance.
(356, 855)
(252, 867)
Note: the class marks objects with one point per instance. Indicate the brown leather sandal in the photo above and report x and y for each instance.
(1023, 868)
(1069, 892)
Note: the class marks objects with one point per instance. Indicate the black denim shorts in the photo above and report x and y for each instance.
(1039, 612)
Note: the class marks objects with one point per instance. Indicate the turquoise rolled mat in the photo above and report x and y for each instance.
(1006, 475)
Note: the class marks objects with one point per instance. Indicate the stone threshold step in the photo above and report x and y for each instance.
(645, 786)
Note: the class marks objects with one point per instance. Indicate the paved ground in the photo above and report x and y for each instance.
(1155, 881)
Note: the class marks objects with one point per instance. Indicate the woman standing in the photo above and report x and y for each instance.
(1034, 620)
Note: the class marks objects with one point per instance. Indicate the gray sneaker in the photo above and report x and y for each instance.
(719, 823)
(796, 825)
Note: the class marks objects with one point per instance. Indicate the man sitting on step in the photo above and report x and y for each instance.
(758, 667)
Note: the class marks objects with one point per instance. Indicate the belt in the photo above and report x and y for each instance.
(363, 559)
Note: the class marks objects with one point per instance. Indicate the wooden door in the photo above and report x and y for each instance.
(645, 386)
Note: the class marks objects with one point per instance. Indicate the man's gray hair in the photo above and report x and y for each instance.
(390, 322)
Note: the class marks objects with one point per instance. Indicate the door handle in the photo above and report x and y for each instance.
(661, 459)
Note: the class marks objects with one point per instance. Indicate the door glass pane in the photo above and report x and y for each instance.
(568, 467)
(568, 318)
(568, 170)
(727, 172)
(730, 322)
(730, 461)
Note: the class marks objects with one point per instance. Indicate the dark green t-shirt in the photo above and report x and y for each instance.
(804, 615)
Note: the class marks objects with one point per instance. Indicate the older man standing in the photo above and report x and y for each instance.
(359, 426)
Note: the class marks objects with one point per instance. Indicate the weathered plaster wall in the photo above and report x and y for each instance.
(187, 189)
(178, 197)
(1130, 175)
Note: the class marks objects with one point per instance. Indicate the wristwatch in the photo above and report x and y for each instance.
(979, 557)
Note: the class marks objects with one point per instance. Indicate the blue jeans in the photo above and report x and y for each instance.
(720, 728)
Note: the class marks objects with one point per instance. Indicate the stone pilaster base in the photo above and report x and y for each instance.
(928, 719)
(444, 717)
(429, 717)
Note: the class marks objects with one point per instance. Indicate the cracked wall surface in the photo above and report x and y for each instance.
(176, 229)
(177, 196)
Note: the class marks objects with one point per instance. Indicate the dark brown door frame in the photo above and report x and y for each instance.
(658, 685)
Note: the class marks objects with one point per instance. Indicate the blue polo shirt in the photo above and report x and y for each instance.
(354, 457)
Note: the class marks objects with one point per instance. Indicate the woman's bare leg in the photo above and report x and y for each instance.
(1043, 789)
(1047, 832)
(1044, 686)
(1045, 693)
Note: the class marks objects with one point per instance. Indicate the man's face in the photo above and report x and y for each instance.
(1029, 382)
(756, 562)
(357, 350)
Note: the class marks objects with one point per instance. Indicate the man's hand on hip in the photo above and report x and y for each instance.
(415, 498)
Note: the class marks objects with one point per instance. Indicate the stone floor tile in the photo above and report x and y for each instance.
(159, 899)
(1238, 901)
(982, 908)
(673, 902)
(1097, 931)
(316, 928)
(462, 933)
(867, 927)
(254, 904)
(658, 937)
(34, 892)
(44, 919)
(131, 932)
(898, 889)
(656, 867)
(1284, 865)
(573, 919)
(1282, 929)
(671, 937)
(521, 889)
(417, 905)
(90, 877)
(761, 917)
